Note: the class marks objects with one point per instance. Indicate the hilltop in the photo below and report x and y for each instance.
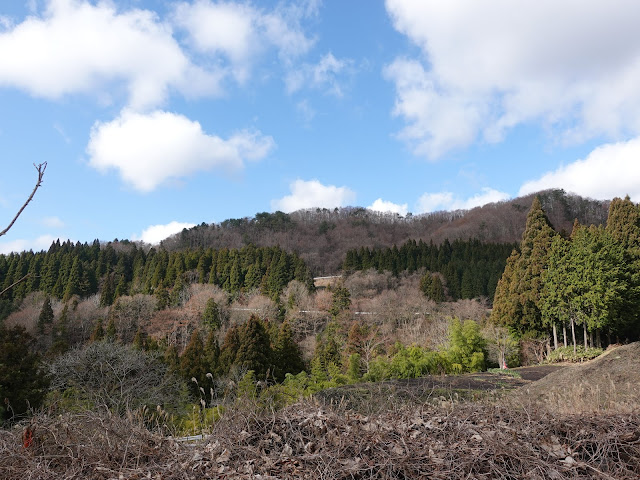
(321, 237)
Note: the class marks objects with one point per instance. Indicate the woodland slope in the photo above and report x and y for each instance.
(321, 237)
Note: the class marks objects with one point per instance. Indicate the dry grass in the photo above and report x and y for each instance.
(610, 383)
(577, 423)
(309, 441)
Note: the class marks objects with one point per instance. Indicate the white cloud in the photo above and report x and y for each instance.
(75, 46)
(609, 171)
(149, 149)
(431, 202)
(42, 242)
(313, 194)
(325, 75)
(53, 222)
(383, 206)
(240, 32)
(154, 234)
(490, 66)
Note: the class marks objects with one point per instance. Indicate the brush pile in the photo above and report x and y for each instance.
(310, 441)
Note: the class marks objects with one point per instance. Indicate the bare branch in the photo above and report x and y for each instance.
(15, 283)
(40, 168)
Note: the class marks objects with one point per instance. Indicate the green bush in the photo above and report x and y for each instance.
(468, 348)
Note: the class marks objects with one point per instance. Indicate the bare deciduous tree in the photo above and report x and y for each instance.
(115, 377)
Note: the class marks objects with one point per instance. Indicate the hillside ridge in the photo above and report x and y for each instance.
(321, 237)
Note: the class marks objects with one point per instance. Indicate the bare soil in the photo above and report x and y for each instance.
(435, 389)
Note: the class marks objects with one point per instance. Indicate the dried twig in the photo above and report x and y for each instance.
(41, 169)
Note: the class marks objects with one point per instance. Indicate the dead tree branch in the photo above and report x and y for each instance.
(14, 284)
(41, 169)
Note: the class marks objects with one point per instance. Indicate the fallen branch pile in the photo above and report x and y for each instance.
(309, 441)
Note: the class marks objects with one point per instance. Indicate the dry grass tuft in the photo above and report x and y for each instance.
(309, 441)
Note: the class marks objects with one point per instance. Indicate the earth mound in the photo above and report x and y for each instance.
(610, 383)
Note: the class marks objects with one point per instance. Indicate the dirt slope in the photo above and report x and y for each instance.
(610, 382)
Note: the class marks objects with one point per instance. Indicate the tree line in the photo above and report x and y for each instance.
(118, 269)
(462, 269)
(581, 288)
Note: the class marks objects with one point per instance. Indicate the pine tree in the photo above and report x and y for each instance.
(73, 285)
(107, 294)
(139, 340)
(211, 315)
(212, 353)
(254, 352)
(623, 224)
(98, 332)
(229, 349)
(287, 354)
(172, 360)
(340, 300)
(46, 314)
(436, 290)
(517, 300)
(23, 383)
(425, 283)
(111, 332)
(193, 365)
(467, 285)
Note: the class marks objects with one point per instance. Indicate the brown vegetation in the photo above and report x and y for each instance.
(307, 441)
(610, 382)
(322, 237)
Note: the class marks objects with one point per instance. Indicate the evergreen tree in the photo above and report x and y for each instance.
(177, 293)
(107, 294)
(229, 349)
(162, 298)
(121, 288)
(73, 285)
(254, 352)
(139, 340)
(436, 290)
(111, 332)
(98, 332)
(623, 224)
(172, 360)
(287, 354)
(193, 364)
(425, 283)
(354, 367)
(46, 314)
(23, 383)
(211, 315)
(340, 300)
(212, 353)
(517, 300)
(467, 284)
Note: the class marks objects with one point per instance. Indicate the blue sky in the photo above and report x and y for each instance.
(155, 115)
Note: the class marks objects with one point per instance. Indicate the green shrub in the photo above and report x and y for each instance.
(468, 348)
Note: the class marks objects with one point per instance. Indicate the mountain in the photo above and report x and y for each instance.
(321, 237)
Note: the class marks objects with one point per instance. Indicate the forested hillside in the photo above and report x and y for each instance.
(467, 269)
(322, 237)
(70, 270)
